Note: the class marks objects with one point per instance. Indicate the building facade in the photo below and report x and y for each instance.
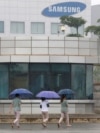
(40, 17)
(94, 18)
(35, 53)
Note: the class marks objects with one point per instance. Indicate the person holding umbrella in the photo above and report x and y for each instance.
(64, 111)
(44, 103)
(44, 109)
(16, 105)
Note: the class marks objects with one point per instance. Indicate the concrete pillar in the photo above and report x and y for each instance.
(96, 96)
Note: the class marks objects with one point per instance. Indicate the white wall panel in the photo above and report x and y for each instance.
(71, 44)
(23, 44)
(59, 59)
(84, 44)
(40, 43)
(56, 51)
(4, 58)
(7, 51)
(92, 59)
(40, 51)
(85, 52)
(25, 51)
(39, 58)
(54, 43)
(8, 43)
(76, 59)
(19, 58)
(93, 52)
(71, 51)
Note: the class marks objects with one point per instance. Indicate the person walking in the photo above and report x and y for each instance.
(16, 106)
(64, 111)
(44, 110)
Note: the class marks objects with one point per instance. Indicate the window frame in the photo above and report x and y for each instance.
(37, 26)
(16, 30)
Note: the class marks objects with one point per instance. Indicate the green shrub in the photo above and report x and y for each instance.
(74, 35)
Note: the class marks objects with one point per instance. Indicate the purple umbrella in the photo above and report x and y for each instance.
(48, 94)
(24, 93)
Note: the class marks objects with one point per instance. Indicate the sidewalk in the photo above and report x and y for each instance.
(52, 128)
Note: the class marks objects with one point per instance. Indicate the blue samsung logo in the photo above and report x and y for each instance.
(64, 9)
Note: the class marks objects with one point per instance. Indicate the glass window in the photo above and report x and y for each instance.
(19, 76)
(37, 28)
(48, 76)
(80, 30)
(78, 80)
(39, 77)
(60, 76)
(56, 28)
(17, 27)
(1, 27)
(89, 81)
(4, 81)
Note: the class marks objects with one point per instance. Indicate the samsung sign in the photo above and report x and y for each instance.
(64, 9)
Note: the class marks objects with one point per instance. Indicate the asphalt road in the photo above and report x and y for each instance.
(52, 128)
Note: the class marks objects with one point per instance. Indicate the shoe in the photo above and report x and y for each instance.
(69, 125)
(18, 126)
(44, 125)
(58, 124)
(12, 125)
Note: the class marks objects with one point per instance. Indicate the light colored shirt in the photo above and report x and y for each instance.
(64, 106)
(16, 104)
(44, 106)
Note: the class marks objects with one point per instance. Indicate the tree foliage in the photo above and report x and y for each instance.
(93, 29)
(96, 74)
(72, 22)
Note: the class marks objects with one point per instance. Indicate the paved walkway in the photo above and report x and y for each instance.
(52, 128)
